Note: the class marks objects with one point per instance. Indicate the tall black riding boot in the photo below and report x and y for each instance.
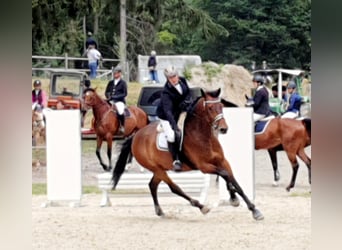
(122, 123)
(173, 148)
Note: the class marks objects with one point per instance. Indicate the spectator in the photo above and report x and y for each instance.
(116, 92)
(93, 56)
(261, 105)
(90, 41)
(152, 67)
(38, 94)
(295, 102)
(175, 99)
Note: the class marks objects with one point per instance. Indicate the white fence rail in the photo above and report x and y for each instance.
(103, 72)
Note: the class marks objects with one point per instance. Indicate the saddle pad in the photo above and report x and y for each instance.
(260, 127)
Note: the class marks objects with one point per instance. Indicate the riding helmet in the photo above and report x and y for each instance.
(170, 71)
(117, 69)
(292, 85)
(37, 83)
(258, 78)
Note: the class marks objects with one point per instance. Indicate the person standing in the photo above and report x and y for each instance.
(90, 41)
(261, 104)
(295, 102)
(93, 56)
(175, 99)
(38, 94)
(152, 67)
(116, 92)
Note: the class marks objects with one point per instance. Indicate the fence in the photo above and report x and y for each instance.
(103, 72)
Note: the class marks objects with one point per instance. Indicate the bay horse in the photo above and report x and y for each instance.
(106, 123)
(289, 135)
(201, 150)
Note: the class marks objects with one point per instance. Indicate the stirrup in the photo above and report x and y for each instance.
(177, 165)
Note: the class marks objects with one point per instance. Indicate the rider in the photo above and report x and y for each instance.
(295, 101)
(261, 105)
(39, 95)
(175, 99)
(116, 92)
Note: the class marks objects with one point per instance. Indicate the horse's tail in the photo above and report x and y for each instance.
(307, 124)
(122, 161)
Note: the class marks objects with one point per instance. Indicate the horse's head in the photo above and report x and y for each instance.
(89, 98)
(214, 109)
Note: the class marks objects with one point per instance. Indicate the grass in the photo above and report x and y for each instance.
(304, 195)
(40, 189)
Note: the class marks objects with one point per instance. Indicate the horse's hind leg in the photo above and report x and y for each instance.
(306, 159)
(176, 190)
(153, 184)
(109, 152)
(273, 155)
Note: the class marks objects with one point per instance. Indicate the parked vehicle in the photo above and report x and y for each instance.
(149, 98)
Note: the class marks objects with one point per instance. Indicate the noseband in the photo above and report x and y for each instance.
(214, 123)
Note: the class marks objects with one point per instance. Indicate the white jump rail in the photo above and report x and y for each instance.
(194, 183)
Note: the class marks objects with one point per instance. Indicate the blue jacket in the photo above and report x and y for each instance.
(294, 102)
(172, 103)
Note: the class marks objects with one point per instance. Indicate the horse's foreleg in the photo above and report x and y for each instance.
(98, 153)
(273, 155)
(233, 187)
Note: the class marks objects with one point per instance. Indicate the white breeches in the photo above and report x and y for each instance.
(290, 115)
(120, 106)
(168, 131)
(257, 117)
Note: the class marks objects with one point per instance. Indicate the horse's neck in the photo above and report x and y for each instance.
(198, 123)
(100, 108)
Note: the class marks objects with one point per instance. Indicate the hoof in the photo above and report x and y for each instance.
(275, 184)
(205, 210)
(257, 215)
(234, 202)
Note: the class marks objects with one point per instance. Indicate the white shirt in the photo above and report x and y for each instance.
(179, 88)
(93, 55)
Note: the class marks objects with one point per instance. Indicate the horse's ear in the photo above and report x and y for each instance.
(202, 92)
(218, 91)
(247, 98)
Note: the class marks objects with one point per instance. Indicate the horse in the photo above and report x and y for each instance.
(201, 150)
(289, 135)
(106, 123)
(38, 125)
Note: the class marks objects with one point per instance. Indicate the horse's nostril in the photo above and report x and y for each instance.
(223, 130)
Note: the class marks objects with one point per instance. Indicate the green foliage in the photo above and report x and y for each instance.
(238, 32)
(211, 71)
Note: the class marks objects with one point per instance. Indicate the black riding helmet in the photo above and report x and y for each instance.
(37, 83)
(259, 79)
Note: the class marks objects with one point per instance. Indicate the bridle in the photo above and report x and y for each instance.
(217, 118)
